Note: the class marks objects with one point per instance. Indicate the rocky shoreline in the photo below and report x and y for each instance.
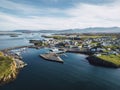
(7, 78)
(14, 69)
(99, 62)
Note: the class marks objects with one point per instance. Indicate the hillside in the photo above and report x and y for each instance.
(93, 30)
(8, 69)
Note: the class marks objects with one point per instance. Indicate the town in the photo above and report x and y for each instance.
(101, 46)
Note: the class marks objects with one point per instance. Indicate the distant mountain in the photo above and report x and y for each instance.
(93, 30)
(85, 30)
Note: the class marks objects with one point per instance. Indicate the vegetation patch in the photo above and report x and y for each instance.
(7, 68)
(115, 59)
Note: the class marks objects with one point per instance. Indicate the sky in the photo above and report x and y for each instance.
(58, 14)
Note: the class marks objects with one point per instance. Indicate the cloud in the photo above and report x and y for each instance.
(29, 10)
(96, 15)
(15, 6)
(80, 16)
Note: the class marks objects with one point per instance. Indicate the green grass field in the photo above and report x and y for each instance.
(5, 65)
(111, 58)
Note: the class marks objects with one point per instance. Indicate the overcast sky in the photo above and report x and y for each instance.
(58, 14)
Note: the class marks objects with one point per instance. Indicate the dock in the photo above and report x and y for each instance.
(51, 57)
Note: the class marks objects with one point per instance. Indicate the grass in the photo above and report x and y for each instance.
(57, 37)
(111, 58)
(5, 64)
(94, 43)
(92, 36)
(1, 54)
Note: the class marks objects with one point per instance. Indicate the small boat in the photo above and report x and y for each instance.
(56, 50)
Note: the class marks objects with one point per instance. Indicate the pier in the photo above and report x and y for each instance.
(52, 57)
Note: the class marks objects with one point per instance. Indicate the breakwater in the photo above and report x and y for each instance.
(52, 57)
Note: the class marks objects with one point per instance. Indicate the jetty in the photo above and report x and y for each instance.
(52, 57)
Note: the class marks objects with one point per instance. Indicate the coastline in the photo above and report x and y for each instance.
(93, 60)
(18, 63)
(11, 77)
(14, 69)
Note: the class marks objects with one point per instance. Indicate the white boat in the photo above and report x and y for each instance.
(56, 50)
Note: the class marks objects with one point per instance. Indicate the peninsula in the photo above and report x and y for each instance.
(9, 67)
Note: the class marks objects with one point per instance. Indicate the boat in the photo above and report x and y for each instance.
(56, 50)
